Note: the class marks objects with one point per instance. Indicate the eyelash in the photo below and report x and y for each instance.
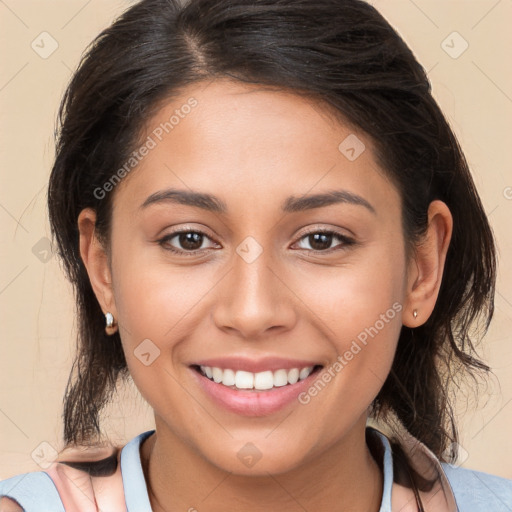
(346, 241)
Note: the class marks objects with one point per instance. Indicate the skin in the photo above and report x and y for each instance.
(253, 148)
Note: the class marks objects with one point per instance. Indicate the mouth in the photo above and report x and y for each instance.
(267, 380)
(252, 386)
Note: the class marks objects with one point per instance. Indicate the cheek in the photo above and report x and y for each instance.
(358, 307)
(153, 302)
(350, 297)
(154, 296)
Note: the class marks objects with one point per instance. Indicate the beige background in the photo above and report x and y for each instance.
(37, 327)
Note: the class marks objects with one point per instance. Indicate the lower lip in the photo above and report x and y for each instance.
(253, 403)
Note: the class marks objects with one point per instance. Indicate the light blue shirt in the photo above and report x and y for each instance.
(474, 491)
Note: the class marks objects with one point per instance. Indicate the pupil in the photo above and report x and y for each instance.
(319, 241)
(190, 240)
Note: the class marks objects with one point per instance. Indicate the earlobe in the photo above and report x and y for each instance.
(96, 262)
(426, 271)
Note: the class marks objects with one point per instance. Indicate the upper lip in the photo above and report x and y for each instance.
(255, 365)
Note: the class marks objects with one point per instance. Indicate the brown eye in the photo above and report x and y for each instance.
(190, 241)
(185, 242)
(321, 241)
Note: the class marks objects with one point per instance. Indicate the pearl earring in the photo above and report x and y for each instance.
(110, 327)
(415, 313)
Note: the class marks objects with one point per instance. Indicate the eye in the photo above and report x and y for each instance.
(189, 242)
(321, 240)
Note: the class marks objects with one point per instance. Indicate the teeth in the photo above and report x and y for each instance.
(293, 375)
(260, 381)
(228, 378)
(244, 380)
(280, 378)
(304, 373)
(208, 371)
(264, 380)
(217, 375)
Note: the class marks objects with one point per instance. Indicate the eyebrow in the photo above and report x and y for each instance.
(291, 205)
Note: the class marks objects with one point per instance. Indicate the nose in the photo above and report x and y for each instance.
(254, 299)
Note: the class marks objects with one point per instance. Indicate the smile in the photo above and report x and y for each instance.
(253, 394)
(240, 379)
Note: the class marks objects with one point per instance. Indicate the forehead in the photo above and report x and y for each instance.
(250, 142)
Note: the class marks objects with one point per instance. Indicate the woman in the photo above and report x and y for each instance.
(272, 229)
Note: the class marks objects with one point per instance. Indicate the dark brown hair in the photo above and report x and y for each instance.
(342, 53)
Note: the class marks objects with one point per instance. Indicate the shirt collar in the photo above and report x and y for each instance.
(137, 499)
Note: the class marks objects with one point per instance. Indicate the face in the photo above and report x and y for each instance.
(257, 280)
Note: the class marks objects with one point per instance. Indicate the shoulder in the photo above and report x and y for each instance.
(34, 491)
(64, 484)
(478, 491)
(455, 488)
(77, 474)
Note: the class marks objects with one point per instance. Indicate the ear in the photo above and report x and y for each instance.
(96, 261)
(425, 270)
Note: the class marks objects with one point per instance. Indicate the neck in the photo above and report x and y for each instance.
(344, 477)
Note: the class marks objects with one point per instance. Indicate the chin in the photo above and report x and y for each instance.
(256, 459)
